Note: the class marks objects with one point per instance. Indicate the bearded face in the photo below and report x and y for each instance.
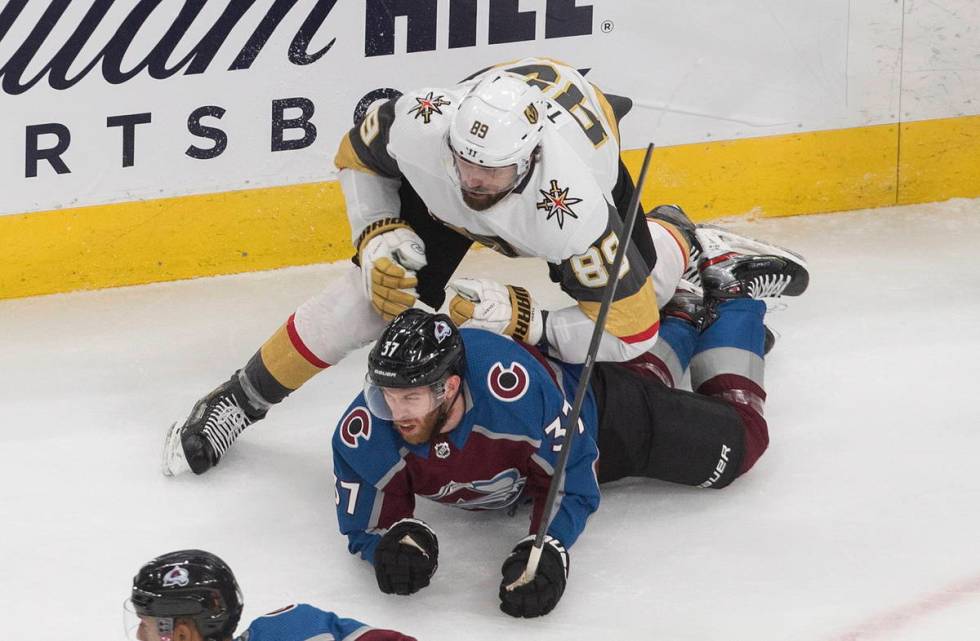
(481, 202)
(420, 413)
(421, 430)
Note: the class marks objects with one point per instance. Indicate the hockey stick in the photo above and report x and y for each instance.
(583, 383)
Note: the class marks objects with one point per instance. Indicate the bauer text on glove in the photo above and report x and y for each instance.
(503, 309)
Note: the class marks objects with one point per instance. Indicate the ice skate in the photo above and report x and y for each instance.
(734, 266)
(199, 442)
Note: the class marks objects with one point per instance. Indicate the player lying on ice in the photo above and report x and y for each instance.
(473, 419)
(192, 595)
(523, 158)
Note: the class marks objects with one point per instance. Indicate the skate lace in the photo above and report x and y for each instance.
(225, 422)
(692, 273)
(768, 286)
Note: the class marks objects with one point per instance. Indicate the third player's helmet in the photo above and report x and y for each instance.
(190, 584)
(416, 349)
(496, 131)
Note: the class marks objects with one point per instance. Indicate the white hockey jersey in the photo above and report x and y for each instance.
(563, 212)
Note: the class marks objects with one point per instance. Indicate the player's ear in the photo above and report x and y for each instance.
(453, 382)
(185, 630)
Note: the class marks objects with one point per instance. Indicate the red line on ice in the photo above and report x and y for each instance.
(902, 616)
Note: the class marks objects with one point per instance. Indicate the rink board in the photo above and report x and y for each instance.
(179, 143)
(167, 239)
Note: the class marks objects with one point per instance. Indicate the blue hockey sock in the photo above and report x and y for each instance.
(681, 337)
(738, 325)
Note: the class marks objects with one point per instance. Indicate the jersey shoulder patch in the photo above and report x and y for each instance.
(355, 426)
(508, 383)
(421, 120)
(366, 442)
(514, 395)
(568, 202)
(426, 105)
(500, 368)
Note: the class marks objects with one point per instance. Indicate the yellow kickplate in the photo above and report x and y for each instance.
(803, 173)
(183, 237)
(172, 238)
(939, 160)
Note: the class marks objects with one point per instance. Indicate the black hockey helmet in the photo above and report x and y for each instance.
(190, 584)
(417, 348)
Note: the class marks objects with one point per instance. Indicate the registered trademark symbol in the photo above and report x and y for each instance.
(607, 26)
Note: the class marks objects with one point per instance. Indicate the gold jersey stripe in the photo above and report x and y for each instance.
(347, 158)
(290, 368)
(608, 110)
(678, 236)
(630, 315)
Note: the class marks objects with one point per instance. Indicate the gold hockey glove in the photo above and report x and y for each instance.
(390, 253)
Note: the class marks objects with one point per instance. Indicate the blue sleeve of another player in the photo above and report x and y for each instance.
(579, 493)
(303, 622)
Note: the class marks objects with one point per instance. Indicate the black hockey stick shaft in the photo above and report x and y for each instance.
(571, 424)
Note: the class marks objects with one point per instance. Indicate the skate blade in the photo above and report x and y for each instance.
(173, 461)
(715, 240)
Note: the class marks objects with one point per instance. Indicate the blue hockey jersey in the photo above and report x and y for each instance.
(306, 623)
(505, 447)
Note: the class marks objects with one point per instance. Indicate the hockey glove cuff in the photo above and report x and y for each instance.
(541, 595)
(406, 557)
(503, 309)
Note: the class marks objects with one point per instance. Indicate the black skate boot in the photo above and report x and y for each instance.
(198, 443)
(734, 266)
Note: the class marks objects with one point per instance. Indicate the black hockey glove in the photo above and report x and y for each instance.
(406, 557)
(541, 595)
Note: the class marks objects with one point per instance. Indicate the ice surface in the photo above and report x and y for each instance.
(860, 522)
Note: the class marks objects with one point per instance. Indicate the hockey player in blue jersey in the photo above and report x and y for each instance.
(473, 419)
(192, 595)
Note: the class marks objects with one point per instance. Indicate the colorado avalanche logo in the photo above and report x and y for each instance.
(442, 331)
(508, 383)
(176, 576)
(491, 494)
(356, 425)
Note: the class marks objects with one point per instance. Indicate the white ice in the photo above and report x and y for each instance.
(860, 522)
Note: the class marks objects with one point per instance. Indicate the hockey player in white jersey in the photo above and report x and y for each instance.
(192, 595)
(523, 158)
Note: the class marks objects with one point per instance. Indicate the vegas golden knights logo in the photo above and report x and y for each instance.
(531, 113)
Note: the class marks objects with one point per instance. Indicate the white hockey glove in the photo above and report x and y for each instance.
(504, 309)
(390, 253)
